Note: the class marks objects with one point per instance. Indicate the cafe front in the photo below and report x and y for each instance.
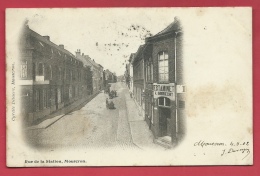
(164, 119)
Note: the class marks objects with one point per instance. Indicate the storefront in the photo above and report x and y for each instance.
(164, 121)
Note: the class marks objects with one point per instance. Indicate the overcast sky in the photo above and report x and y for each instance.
(216, 41)
(108, 36)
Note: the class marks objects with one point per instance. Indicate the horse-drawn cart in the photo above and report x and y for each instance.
(110, 104)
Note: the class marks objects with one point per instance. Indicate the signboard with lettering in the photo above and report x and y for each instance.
(164, 90)
(181, 89)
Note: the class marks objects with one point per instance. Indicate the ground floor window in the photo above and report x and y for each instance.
(152, 115)
(36, 100)
(163, 101)
(59, 95)
(44, 98)
(70, 92)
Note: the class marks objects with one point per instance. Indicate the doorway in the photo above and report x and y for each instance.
(164, 121)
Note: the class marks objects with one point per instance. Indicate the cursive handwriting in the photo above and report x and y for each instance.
(228, 148)
(246, 151)
(204, 144)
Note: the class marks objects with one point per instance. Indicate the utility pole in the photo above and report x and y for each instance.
(175, 80)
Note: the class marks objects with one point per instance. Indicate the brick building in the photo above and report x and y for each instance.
(131, 74)
(96, 69)
(50, 76)
(139, 79)
(158, 84)
(165, 114)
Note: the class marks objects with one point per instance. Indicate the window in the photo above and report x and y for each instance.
(24, 69)
(37, 100)
(41, 69)
(152, 115)
(162, 101)
(44, 98)
(50, 72)
(181, 104)
(33, 71)
(60, 74)
(70, 75)
(149, 70)
(163, 67)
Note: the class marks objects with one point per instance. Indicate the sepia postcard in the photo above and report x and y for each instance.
(129, 86)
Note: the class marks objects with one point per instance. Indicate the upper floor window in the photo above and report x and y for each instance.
(24, 69)
(50, 72)
(163, 67)
(149, 70)
(41, 69)
(60, 74)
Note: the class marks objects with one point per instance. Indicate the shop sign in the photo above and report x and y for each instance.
(181, 89)
(164, 90)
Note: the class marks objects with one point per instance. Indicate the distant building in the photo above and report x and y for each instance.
(110, 77)
(97, 70)
(131, 85)
(101, 74)
(139, 79)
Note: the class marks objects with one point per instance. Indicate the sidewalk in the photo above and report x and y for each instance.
(141, 135)
(54, 117)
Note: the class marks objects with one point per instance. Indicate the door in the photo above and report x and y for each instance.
(164, 116)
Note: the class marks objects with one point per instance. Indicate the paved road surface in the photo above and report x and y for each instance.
(93, 126)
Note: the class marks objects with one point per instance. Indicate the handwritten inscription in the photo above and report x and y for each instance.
(229, 148)
(204, 144)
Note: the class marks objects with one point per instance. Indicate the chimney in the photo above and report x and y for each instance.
(47, 37)
(61, 46)
(77, 53)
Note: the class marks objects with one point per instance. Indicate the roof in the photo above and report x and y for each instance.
(139, 52)
(87, 61)
(48, 42)
(131, 58)
(173, 27)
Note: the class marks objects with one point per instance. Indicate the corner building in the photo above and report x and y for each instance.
(164, 85)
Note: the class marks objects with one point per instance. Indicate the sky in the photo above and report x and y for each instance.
(108, 36)
(216, 41)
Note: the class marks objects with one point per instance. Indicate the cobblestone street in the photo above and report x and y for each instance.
(93, 126)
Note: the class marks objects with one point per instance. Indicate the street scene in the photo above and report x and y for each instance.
(95, 126)
(128, 87)
(125, 90)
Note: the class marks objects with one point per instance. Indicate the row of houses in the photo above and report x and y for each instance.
(154, 75)
(52, 78)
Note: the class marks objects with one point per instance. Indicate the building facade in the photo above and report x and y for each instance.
(50, 76)
(131, 73)
(158, 84)
(165, 84)
(96, 69)
(110, 77)
(139, 79)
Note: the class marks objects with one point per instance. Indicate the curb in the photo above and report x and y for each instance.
(62, 115)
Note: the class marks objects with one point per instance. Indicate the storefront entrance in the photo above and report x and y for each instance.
(164, 121)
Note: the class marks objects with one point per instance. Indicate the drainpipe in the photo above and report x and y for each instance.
(175, 80)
